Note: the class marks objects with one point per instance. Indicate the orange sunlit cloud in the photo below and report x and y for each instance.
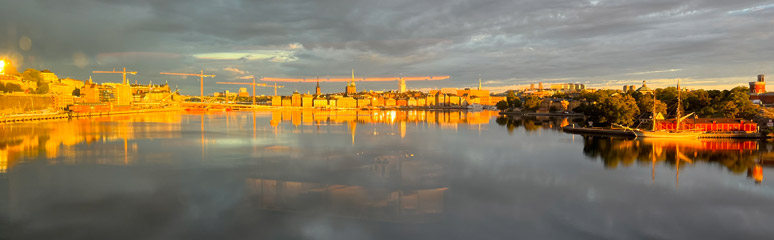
(378, 79)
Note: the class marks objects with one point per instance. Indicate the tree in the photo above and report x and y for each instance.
(42, 89)
(611, 107)
(552, 108)
(13, 87)
(728, 109)
(32, 75)
(77, 92)
(746, 109)
(565, 105)
(532, 103)
(502, 105)
(645, 104)
(513, 100)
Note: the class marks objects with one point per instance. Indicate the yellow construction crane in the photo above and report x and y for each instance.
(275, 88)
(124, 72)
(201, 76)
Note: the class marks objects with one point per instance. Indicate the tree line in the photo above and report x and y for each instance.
(607, 107)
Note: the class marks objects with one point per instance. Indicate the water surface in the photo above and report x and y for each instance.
(371, 175)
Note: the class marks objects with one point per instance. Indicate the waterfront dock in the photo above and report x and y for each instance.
(598, 131)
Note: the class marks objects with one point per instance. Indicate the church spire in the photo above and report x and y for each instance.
(317, 89)
(479, 82)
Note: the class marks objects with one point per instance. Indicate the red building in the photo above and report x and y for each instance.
(759, 86)
(710, 124)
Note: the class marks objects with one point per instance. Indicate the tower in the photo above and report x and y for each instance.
(759, 86)
(401, 85)
(351, 89)
(479, 82)
(317, 89)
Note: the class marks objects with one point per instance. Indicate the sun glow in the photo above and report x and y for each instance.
(2, 66)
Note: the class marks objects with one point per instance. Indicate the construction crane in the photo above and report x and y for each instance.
(244, 83)
(275, 88)
(124, 72)
(201, 76)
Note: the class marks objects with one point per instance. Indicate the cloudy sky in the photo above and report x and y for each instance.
(509, 43)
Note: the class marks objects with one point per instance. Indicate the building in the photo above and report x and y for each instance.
(710, 124)
(90, 93)
(570, 87)
(276, 101)
(48, 76)
(390, 102)
(243, 92)
(307, 100)
(644, 89)
(759, 86)
(317, 91)
(401, 85)
(351, 89)
(320, 102)
(62, 101)
(363, 102)
(295, 99)
(346, 102)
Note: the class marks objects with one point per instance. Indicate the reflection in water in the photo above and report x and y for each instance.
(56, 140)
(346, 200)
(368, 175)
(531, 124)
(736, 156)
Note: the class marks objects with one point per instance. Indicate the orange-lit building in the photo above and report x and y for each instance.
(710, 124)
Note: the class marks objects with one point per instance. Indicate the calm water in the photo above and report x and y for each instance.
(371, 175)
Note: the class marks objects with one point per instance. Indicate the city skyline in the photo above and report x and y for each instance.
(603, 44)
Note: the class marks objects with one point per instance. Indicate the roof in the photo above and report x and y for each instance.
(711, 120)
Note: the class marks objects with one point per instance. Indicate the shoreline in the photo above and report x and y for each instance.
(20, 118)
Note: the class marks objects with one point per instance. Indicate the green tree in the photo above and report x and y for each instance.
(645, 104)
(42, 89)
(13, 87)
(611, 107)
(502, 105)
(32, 75)
(532, 103)
(513, 100)
(728, 109)
(741, 98)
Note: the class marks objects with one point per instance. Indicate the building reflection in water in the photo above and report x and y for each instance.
(401, 187)
(738, 157)
(55, 140)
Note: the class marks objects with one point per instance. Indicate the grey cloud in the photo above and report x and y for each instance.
(513, 41)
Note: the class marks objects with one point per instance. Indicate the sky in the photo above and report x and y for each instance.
(712, 44)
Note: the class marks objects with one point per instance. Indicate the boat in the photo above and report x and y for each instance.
(667, 134)
(677, 133)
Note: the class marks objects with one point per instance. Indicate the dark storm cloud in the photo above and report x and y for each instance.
(509, 42)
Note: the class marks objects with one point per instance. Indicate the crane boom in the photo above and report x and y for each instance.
(374, 79)
(124, 72)
(253, 84)
(201, 76)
